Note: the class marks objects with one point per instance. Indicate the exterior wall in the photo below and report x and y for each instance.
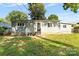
(66, 30)
(56, 28)
(46, 29)
(27, 28)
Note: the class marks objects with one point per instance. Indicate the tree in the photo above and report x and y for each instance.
(16, 15)
(37, 11)
(73, 6)
(1, 20)
(53, 17)
(78, 23)
(2, 28)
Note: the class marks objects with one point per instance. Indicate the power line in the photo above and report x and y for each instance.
(21, 8)
(26, 10)
(25, 6)
(18, 6)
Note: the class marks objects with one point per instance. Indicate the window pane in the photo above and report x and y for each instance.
(64, 26)
(18, 24)
(49, 24)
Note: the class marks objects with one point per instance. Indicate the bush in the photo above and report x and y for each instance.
(76, 27)
(2, 30)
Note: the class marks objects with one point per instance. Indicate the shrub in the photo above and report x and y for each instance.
(2, 30)
(76, 27)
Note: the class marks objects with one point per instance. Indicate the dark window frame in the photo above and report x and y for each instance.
(64, 26)
(49, 24)
(20, 24)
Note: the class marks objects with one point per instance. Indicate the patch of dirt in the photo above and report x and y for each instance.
(8, 37)
(34, 37)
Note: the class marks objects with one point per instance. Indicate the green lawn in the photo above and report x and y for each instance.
(50, 45)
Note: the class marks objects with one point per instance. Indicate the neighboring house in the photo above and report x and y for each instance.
(75, 28)
(3, 24)
(40, 27)
(6, 26)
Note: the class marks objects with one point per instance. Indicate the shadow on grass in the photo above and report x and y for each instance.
(36, 48)
(57, 42)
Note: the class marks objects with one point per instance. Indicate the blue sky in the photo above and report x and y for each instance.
(51, 8)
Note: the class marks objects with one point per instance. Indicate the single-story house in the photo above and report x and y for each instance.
(40, 27)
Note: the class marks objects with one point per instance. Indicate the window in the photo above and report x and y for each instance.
(49, 24)
(20, 24)
(38, 24)
(64, 26)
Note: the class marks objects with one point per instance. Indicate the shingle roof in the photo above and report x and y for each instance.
(66, 23)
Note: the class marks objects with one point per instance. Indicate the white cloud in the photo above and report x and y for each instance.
(10, 4)
(72, 18)
(51, 4)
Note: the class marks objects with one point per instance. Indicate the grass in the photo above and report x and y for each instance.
(50, 45)
(72, 39)
(23, 38)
